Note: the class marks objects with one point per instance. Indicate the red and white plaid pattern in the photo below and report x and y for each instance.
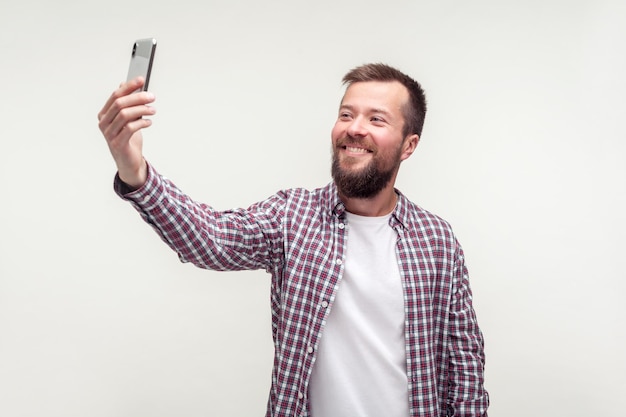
(298, 236)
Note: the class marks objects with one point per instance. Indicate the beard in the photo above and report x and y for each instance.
(366, 182)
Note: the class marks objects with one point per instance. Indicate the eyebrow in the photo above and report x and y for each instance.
(372, 110)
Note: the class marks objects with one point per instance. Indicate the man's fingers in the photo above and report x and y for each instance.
(125, 90)
(131, 128)
(128, 120)
(124, 109)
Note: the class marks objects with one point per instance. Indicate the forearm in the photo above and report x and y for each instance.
(466, 393)
(198, 233)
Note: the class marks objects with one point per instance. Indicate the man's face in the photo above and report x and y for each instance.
(367, 138)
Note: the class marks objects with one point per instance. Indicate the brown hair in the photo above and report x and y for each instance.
(414, 112)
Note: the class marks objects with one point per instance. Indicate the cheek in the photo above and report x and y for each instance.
(391, 148)
(336, 132)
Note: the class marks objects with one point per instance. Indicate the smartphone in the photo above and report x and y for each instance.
(141, 60)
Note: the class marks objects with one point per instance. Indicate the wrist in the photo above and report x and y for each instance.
(134, 179)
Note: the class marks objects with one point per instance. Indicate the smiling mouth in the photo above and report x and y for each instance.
(353, 149)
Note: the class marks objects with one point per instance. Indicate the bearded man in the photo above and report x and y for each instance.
(371, 304)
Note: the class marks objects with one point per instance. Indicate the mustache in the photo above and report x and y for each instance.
(360, 143)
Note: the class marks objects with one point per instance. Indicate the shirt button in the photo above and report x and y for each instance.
(338, 261)
(341, 225)
(324, 303)
(300, 395)
(309, 349)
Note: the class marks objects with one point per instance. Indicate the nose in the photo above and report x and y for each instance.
(356, 128)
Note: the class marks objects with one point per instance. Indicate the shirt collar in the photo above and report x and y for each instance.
(401, 214)
(335, 205)
(399, 217)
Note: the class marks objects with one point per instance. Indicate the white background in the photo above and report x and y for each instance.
(523, 151)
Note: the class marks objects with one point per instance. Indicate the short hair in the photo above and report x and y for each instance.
(415, 112)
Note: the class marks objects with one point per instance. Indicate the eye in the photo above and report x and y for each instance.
(377, 119)
(345, 116)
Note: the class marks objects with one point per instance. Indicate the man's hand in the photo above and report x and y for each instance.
(120, 121)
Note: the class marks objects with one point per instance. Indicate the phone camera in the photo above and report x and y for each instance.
(134, 49)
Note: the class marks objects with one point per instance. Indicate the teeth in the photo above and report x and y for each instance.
(356, 150)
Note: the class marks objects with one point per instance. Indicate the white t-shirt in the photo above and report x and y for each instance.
(360, 368)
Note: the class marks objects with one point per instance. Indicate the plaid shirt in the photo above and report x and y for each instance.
(299, 237)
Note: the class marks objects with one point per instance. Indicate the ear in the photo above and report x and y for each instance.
(409, 145)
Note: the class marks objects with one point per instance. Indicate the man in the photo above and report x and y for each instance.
(371, 306)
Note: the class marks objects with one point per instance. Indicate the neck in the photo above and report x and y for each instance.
(379, 205)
